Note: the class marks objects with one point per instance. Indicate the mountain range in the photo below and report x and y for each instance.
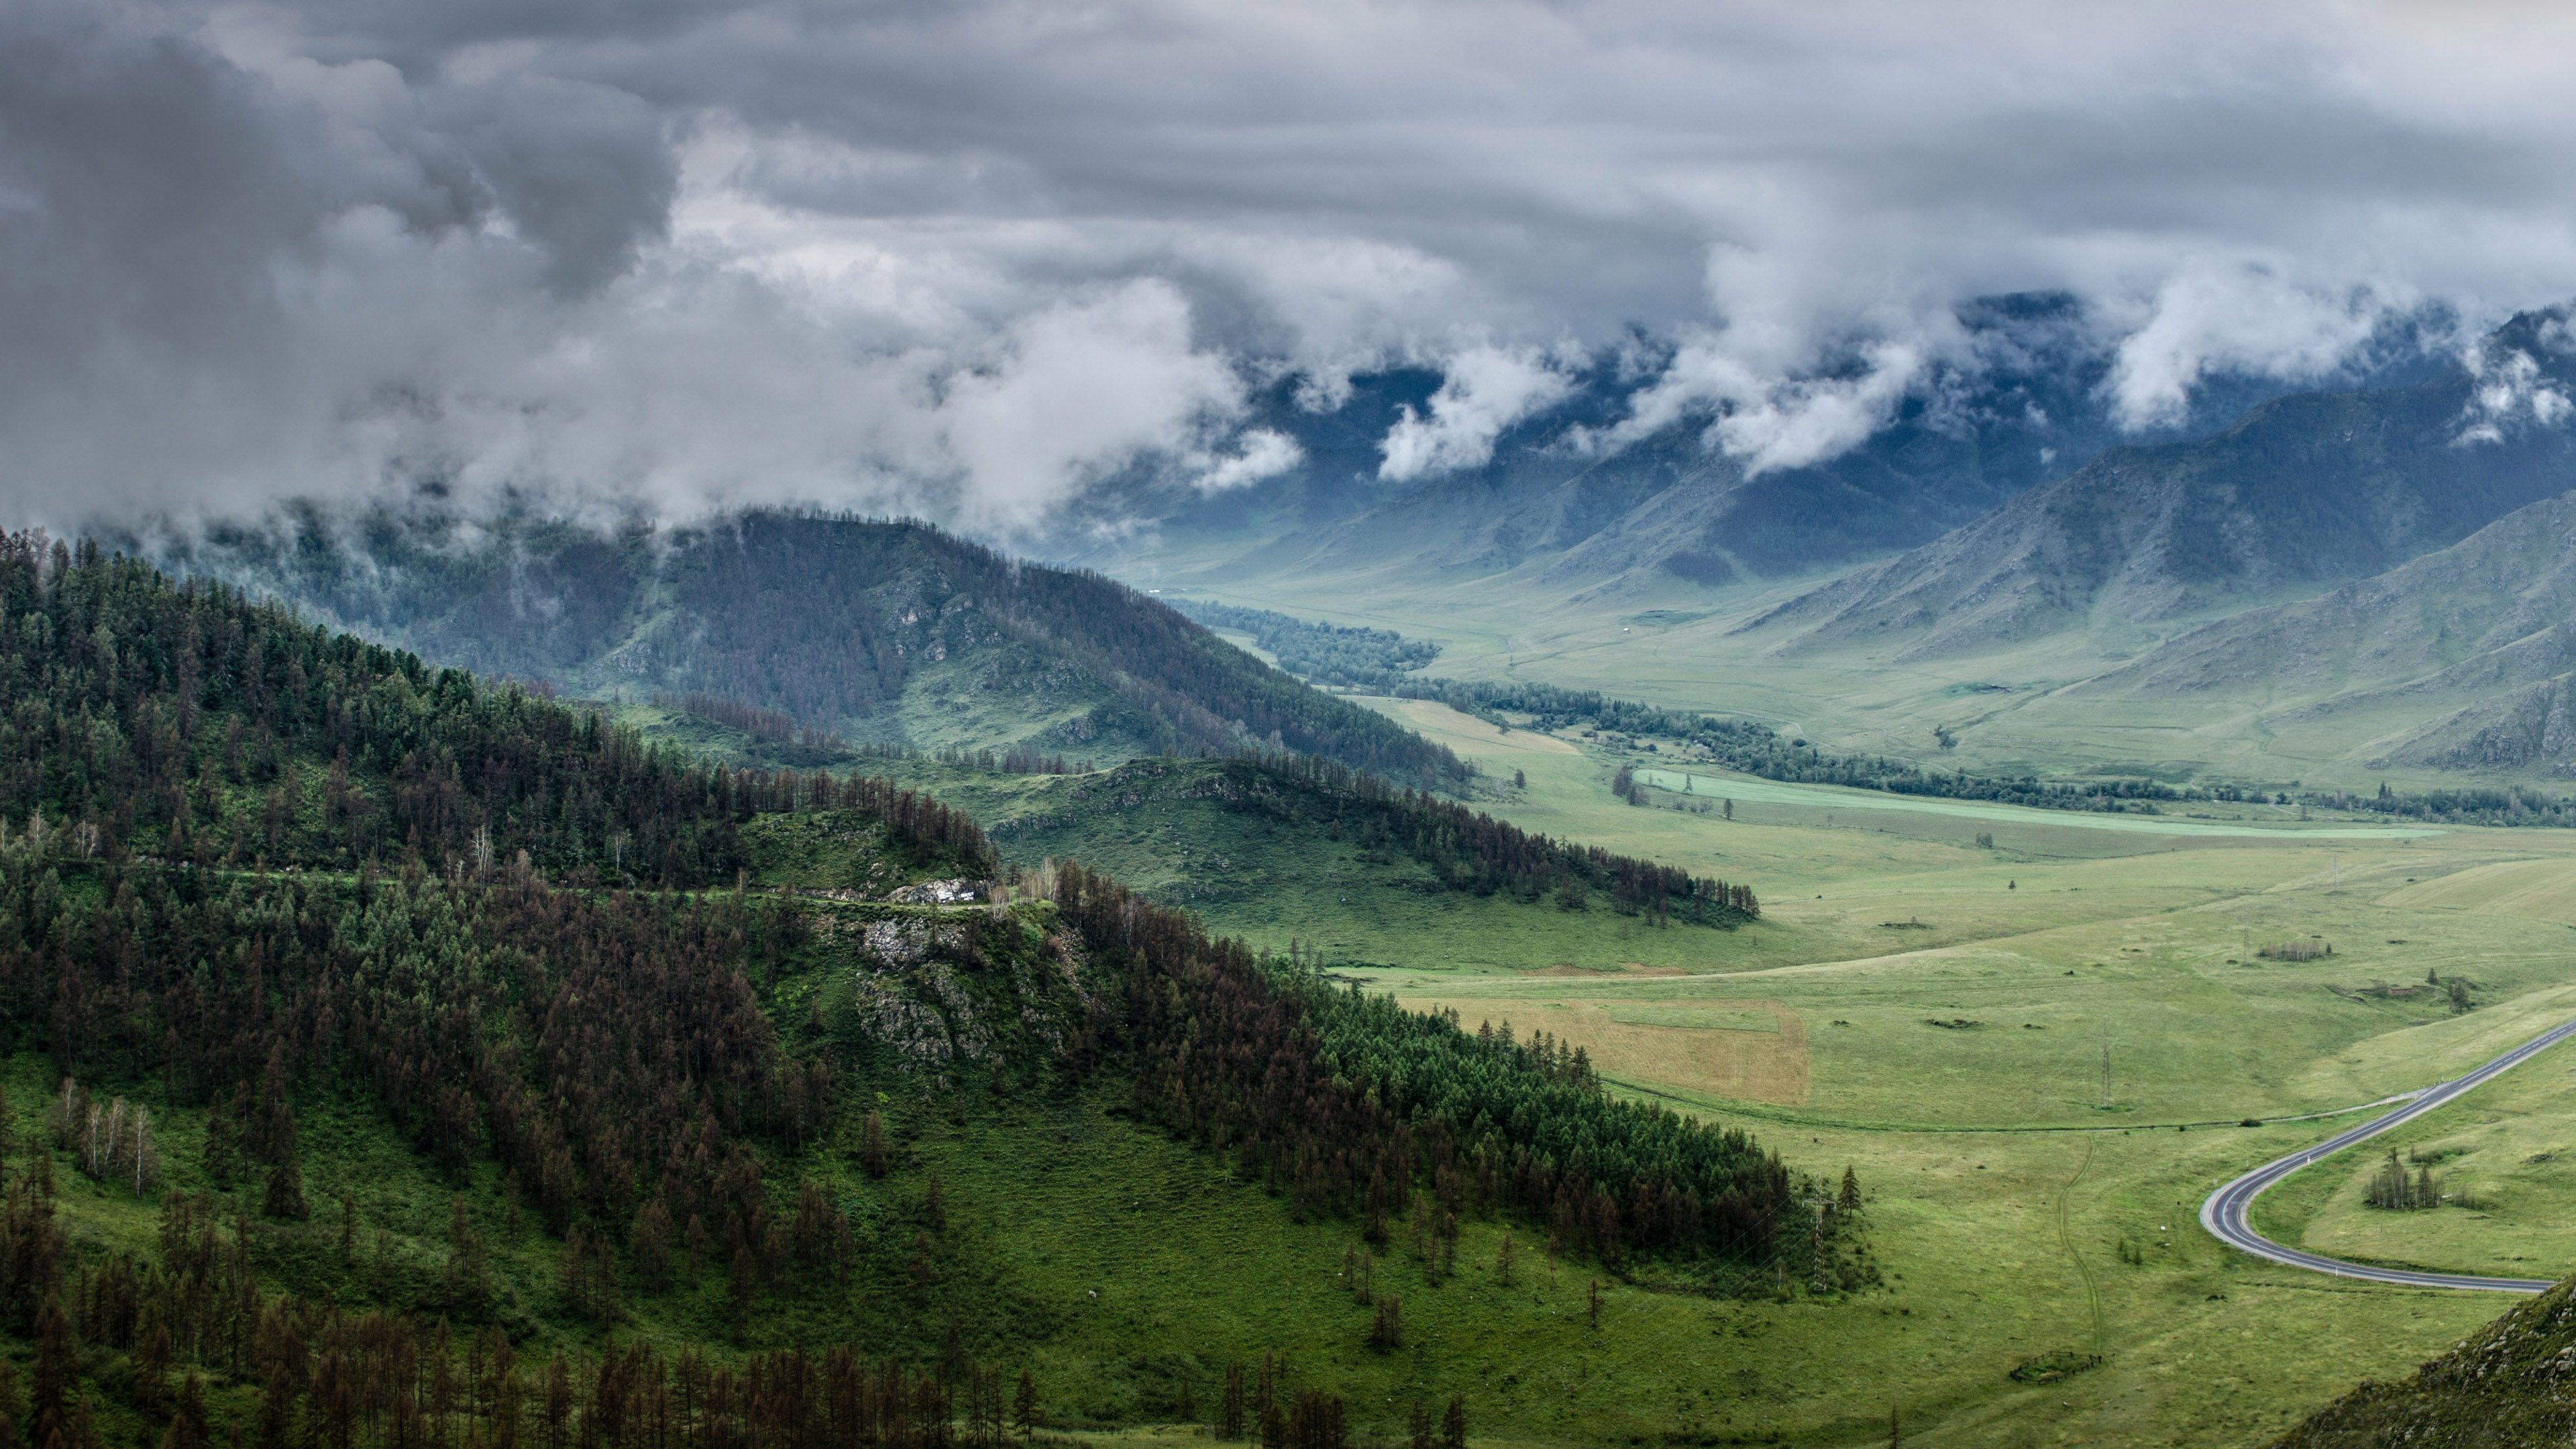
(2304, 491)
(877, 632)
(2316, 562)
(2022, 400)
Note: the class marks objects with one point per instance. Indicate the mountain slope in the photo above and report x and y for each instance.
(2305, 491)
(891, 632)
(2482, 613)
(2468, 648)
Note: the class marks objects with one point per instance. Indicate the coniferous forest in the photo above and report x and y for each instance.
(255, 871)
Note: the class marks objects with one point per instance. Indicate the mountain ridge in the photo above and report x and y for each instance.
(888, 631)
(2026, 401)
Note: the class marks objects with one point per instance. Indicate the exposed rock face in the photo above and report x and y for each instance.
(944, 994)
(2530, 729)
(939, 893)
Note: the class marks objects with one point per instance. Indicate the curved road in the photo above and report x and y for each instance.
(2224, 1213)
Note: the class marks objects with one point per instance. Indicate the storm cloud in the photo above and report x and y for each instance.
(971, 259)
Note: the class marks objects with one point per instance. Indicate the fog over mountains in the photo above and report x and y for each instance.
(995, 264)
(1566, 487)
(2147, 314)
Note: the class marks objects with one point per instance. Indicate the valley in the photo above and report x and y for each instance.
(731, 725)
(2039, 1053)
(2034, 1037)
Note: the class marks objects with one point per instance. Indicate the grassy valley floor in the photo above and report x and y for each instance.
(2027, 1050)
(2036, 1049)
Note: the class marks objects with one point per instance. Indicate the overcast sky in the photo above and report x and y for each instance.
(965, 258)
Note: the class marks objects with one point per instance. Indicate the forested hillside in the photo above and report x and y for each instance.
(445, 1029)
(879, 631)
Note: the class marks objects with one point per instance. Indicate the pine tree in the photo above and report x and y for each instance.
(1265, 1404)
(1229, 1414)
(222, 1157)
(285, 1195)
(1453, 1425)
(1024, 1405)
(57, 1373)
(465, 1276)
(742, 1288)
(1848, 1200)
(1386, 1335)
(188, 1424)
(875, 1154)
(649, 1244)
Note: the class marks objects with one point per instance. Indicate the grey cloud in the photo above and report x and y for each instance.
(581, 168)
(972, 257)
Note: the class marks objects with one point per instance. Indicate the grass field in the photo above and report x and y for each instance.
(2033, 1053)
(2082, 993)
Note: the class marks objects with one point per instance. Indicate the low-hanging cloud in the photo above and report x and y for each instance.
(971, 260)
(1486, 390)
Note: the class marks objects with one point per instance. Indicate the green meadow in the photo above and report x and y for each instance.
(2037, 1053)
(2034, 1035)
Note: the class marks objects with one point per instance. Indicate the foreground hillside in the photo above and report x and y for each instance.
(883, 632)
(393, 1058)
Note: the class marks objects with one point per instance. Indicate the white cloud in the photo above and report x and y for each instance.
(1483, 390)
(1072, 393)
(1266, 453)
(2510, 390)
(1767, 421)
(2241, 317)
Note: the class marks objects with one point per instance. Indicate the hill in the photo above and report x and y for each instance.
(877, 631)
(2503, 1386)
(2305, 492)
(390, 1056)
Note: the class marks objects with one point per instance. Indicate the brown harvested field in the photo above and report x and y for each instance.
(1753, 1051)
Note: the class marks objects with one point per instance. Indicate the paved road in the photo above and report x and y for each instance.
(2224, 1213)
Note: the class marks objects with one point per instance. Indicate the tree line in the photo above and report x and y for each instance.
(1383, 661)
(1323, 653)
(1348, 1105)
(1469, 850)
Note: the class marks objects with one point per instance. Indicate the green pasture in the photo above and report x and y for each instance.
(2035, 1054)
(2039, 706)
(2097, 992)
